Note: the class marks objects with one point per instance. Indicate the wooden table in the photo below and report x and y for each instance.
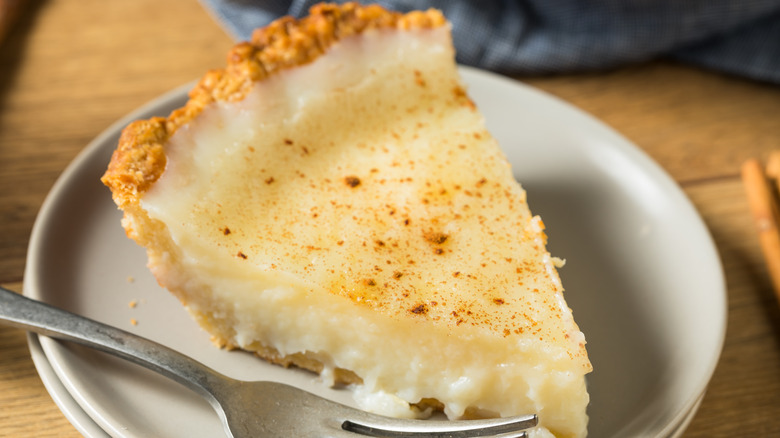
(68, 69)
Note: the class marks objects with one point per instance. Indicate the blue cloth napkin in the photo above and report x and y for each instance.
(531, 37)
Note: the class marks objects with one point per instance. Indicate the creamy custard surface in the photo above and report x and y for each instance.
(355, 210)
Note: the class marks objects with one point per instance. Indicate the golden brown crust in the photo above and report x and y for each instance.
(341, 376)
(305, 360)
(138, 161)
(140, 156)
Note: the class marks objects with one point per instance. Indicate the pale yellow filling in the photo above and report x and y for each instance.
(356, 202)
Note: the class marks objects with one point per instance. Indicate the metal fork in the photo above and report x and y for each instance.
(246, 409)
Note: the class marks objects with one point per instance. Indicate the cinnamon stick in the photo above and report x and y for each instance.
(764, 208)
(773, 165)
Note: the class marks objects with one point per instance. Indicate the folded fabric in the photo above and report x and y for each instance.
(523, 37)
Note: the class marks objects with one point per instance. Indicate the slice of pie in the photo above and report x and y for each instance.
(332, 200)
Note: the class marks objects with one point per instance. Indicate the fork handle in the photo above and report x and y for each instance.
(35, 316)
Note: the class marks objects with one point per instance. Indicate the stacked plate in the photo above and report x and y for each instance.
(642, 276)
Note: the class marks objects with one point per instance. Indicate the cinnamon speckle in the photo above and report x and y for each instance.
(435, 237)
(420, 309)
(418, 79)
(352, 181)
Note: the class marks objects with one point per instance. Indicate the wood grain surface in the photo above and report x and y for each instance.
(70, 68)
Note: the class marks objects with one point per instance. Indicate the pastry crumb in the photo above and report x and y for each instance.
(132, 304)
(130, 279)
(133, 321)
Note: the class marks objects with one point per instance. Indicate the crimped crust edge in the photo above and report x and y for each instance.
(140, 160)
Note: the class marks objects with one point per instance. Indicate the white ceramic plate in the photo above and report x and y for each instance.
(642, 276)
(60, 394)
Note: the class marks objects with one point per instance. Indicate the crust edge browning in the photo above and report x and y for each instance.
(140, 160)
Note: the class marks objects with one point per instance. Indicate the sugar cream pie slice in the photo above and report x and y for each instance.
(332, 200)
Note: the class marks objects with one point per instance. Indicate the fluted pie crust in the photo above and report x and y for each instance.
(284, 44)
